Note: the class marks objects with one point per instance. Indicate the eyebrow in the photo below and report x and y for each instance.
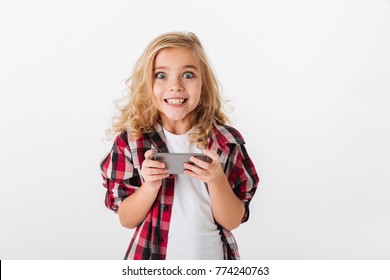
(184, 67)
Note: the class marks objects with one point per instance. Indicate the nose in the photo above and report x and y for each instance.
(176, 85)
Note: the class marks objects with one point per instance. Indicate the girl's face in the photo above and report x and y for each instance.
(177, 85)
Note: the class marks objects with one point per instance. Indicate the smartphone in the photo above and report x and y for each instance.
(174, 161)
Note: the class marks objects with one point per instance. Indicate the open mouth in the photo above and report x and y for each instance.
(175, 101)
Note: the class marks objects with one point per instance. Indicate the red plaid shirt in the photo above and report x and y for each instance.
(121, 173)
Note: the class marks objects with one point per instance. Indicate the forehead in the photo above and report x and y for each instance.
(178, 56)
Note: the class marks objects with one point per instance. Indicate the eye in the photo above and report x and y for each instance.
(160, 75)
(188, 75)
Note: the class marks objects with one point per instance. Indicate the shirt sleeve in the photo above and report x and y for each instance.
(243, 177)
(120, 178)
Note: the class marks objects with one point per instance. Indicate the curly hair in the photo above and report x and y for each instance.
(140, 114)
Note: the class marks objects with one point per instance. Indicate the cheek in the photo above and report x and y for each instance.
(198, 91)
(155, 95)
(157, 91)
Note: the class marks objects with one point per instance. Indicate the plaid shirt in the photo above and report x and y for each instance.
(121, 173)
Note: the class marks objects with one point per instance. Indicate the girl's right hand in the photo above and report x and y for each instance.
(153, 171)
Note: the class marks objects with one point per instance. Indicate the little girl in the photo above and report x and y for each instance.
(175, 107)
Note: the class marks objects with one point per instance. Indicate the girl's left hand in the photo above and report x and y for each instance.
(204, 171)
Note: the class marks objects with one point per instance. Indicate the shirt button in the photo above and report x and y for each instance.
(161, 240)
(166, 207)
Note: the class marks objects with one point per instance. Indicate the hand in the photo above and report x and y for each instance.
(153, 171)
(204, 171)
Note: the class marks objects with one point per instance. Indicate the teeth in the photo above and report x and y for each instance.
(175, 100)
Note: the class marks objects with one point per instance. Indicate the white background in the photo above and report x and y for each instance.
(309, 82)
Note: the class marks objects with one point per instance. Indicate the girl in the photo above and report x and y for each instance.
(175, 107)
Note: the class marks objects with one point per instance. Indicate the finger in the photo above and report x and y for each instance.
(148, 163)
(214, 156)
(195, 169)
(189, 166)
(156, 177)
(201, 163)
(193, 174)
(154, 171)
(148, 154)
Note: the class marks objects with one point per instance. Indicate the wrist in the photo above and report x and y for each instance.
(150, 187)
(219, 180)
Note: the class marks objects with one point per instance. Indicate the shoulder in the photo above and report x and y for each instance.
(125, 138)
(121, 139)
(225, 134)
(135, 144)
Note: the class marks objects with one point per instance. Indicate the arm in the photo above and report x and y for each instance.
(134, 209)
(228, 209)
(126, 194)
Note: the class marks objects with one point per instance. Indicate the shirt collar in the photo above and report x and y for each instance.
(157, 137)
(224, 135)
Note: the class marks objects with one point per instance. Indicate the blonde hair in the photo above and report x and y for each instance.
(139, 114)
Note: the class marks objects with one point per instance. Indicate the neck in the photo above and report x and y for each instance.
(176, 126)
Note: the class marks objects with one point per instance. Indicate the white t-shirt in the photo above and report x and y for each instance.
(192, 231)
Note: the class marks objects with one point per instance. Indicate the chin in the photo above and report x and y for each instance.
(177, 117)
